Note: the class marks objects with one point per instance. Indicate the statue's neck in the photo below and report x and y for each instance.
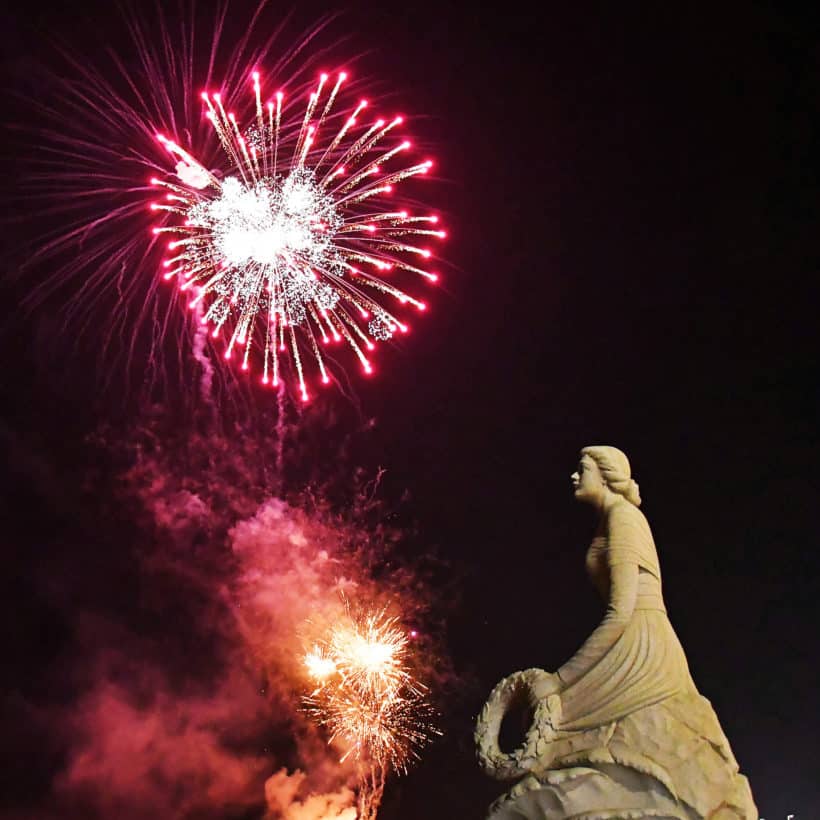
(602, 508)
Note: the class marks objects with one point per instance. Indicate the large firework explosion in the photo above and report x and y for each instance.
(298, 242)
(286, 209)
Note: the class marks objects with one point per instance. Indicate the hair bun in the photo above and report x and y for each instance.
(633, 493)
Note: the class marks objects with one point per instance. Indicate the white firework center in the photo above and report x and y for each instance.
(273, 242)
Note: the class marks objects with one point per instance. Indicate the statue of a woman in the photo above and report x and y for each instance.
(620, 730)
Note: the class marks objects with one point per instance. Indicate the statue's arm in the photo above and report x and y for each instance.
(623, 593)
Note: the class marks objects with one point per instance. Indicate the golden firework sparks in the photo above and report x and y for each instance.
(367, 698)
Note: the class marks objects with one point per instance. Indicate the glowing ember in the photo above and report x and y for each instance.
(318, 665)
(291, 245)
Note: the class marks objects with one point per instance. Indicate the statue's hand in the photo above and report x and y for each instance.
(545, 685)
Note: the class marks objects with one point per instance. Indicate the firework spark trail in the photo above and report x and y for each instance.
(200, 342)
(290, 259)
(281, 432)
(366, 697)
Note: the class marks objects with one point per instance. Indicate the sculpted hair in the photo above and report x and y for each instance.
(614, 467)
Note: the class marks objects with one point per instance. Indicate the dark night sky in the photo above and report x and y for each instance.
(632, 197)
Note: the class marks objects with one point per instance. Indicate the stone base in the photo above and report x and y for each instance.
(606, 792)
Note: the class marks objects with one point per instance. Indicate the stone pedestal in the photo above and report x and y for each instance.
(584, 792)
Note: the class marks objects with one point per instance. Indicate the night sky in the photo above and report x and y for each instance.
(632, 201)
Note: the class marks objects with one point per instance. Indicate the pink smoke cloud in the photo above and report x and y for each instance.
(251, 577)
(142, 749)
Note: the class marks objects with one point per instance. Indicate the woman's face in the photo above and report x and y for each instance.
(587, 481)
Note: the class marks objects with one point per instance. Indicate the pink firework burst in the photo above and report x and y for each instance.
(300, 238)
(290, 220)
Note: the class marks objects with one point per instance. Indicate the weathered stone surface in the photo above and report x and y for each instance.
(620, 730)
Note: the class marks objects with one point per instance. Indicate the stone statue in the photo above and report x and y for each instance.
(620, 730)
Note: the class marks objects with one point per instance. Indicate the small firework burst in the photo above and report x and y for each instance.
(298, 241)
(367, 698)
(364, 691)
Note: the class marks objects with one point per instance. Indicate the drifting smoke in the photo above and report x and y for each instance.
(143, 747)
(281, 792)
(193, 708)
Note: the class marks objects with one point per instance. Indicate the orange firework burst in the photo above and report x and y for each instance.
(367, 697)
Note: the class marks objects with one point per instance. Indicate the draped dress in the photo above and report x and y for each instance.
(629, 706)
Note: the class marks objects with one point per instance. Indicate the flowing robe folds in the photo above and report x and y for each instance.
(629, 707)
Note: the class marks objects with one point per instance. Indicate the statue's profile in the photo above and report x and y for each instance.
(620, 730)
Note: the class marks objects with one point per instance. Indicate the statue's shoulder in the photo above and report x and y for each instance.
(623, 513)
(630, 538)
